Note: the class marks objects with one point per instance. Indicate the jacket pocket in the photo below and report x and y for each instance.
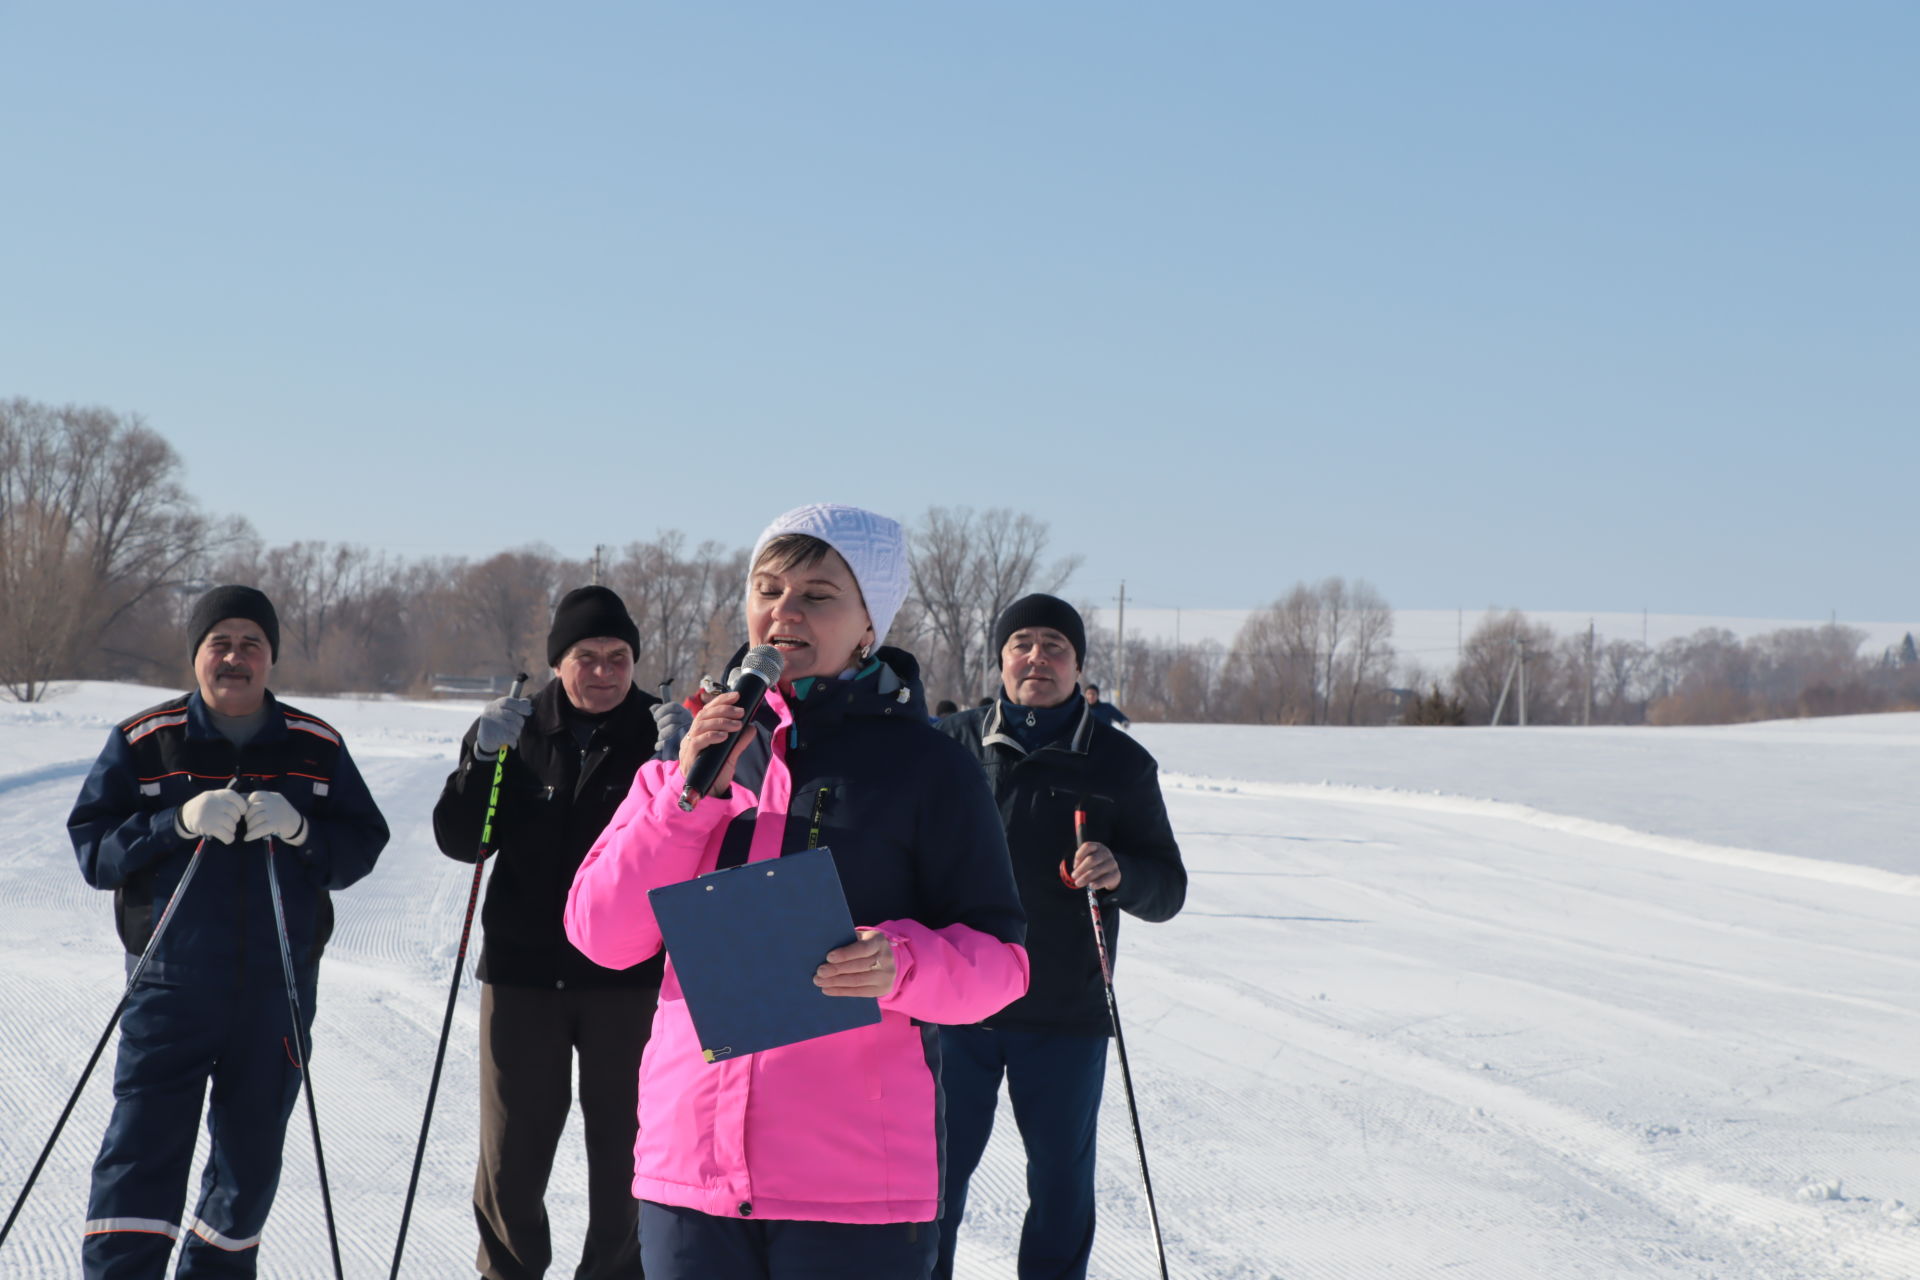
(1062, 803)
(133, 912)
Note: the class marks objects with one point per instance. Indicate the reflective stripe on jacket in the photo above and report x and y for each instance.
(123, 833)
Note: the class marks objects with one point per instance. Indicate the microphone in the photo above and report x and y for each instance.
(758, 672)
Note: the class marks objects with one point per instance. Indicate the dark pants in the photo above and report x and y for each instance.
(685, 1244)
(528, 1038)
(174, 1039)
(1054, 1082)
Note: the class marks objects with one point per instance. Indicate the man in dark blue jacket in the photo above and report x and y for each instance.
(234, 776)
(1048, 757)
(1106, 710)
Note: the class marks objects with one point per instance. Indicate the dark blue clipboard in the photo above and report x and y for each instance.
(745, 943)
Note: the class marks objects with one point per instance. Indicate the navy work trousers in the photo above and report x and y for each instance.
(685, 1244)
(1054, 1081)
(175, 1039)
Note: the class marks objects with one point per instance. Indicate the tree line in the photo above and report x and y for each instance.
(1323, 654)
(103, 551)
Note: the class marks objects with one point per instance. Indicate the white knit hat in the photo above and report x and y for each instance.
(873, 546)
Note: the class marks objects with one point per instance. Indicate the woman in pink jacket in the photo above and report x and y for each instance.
(824, 1157)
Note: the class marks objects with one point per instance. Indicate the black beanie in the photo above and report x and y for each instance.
(586, 612)
(1042, 611)
(234, 602)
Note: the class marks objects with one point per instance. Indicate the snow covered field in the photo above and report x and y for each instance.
(1506, 1004)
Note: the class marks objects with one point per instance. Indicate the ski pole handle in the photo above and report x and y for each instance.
(1079, 838)
(499, 772)
(1093, 903)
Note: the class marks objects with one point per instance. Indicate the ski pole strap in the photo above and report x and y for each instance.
(499, 772)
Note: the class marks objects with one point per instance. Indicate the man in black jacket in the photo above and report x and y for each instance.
(1048, 758)
(575, 747)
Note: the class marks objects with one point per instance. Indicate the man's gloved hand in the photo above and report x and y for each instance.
(499, 726)
(673, 719)
(212, 815)
(270, 814)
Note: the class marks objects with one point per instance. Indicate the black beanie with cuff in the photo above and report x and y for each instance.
(587, 612)
(233, 602)
(1039, 610)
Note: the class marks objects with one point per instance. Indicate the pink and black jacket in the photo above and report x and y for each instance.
(845, 1128)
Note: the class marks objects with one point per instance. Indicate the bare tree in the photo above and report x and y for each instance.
(1621, 683)
(682, 603)
(1279, 653)
(507, 602)
(1317, 654)
(1010, 548)
(1486, 668)
(1365, 652)
(1712, 677)
(93, 524)
(967, 568)
(308, 583)
(1172, 683)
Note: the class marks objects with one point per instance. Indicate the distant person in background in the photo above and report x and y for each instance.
(1106, 710)
(1046, 753)
(945, 707)
(234, 774)
(575, 747)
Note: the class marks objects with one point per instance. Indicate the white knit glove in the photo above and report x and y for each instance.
(212, 815)
(270, 814)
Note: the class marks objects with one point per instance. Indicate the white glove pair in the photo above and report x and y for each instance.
(217, 815)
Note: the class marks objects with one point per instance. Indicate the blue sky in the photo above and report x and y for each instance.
(1604, 307)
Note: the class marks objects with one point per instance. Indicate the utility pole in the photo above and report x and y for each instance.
(1506, 686)
(1120, 643)
(599, 551)
(1588, 719)
(1523, 681)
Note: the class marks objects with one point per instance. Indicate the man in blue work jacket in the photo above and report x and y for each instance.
(234, 774)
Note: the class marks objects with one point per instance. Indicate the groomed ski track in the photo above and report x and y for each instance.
(1395, 1033)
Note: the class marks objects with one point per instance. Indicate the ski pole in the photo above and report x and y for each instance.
(1120, 1043)
(133, 980)
(303, 1045)
(453, 993)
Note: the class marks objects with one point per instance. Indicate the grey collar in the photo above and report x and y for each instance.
(996, 734)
